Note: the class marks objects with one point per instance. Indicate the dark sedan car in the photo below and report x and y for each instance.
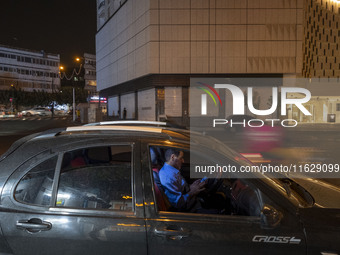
(91, 190)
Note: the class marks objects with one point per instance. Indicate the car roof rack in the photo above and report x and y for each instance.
(114, 128)
(128, 122)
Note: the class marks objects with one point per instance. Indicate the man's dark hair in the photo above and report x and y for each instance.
(171, 151)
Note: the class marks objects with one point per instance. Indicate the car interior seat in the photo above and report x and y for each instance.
(163, 203)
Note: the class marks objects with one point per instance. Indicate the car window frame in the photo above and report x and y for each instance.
(58, 174)
(155, 214)
(198, 216)
(19, 173)
(23, 173)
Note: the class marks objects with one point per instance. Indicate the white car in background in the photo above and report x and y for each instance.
(41, 111)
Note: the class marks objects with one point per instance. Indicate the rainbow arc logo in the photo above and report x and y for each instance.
(205, 87)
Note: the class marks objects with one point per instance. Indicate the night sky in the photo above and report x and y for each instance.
(65, 27)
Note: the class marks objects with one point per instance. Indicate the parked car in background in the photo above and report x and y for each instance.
(92, 190)
(59, 112)
(41, 111)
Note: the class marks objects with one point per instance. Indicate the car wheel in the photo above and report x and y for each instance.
(28, 114)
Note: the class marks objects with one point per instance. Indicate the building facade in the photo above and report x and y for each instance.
(90, 73)
(321, 60)
(147, 50)
(28, 70)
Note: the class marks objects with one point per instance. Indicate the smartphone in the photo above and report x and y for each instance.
(204, 178)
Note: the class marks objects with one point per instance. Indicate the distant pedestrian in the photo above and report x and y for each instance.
(124, 113)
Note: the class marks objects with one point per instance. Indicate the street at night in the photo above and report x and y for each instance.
(169, 127)
(304, 144)
(13, 129)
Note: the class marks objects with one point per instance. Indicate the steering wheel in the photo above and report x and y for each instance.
(212, 186)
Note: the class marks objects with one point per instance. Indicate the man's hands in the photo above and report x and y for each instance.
(196, 187)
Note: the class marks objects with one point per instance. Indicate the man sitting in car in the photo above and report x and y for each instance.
(181, 196)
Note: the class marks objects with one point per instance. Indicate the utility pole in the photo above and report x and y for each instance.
(52, 99)
(74, 104)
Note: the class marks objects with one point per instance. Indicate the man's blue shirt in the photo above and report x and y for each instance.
(175, 187)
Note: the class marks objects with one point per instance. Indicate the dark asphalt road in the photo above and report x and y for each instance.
(13, 129)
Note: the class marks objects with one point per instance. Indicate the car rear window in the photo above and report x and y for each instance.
(36, 186)
(90, 178)
(96, 178)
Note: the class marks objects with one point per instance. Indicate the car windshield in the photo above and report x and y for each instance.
(293, 188)
(290, 187)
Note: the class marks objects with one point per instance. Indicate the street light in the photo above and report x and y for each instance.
(11, 98)
(74, 104)
(77, 59)
(63, 75)
(86, 62)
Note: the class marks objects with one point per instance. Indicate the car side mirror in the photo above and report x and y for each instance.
(270, 217)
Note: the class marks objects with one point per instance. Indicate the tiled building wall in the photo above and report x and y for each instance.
(322, 39)
(122, 45)
(229, 36)
(200, 36)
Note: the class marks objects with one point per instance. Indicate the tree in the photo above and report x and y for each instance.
(41, 98)
(65, 96)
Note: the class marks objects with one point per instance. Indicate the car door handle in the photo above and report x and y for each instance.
(172, 232)
(34, 225)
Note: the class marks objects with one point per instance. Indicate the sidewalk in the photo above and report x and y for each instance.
(7, 116)
(23, 118)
